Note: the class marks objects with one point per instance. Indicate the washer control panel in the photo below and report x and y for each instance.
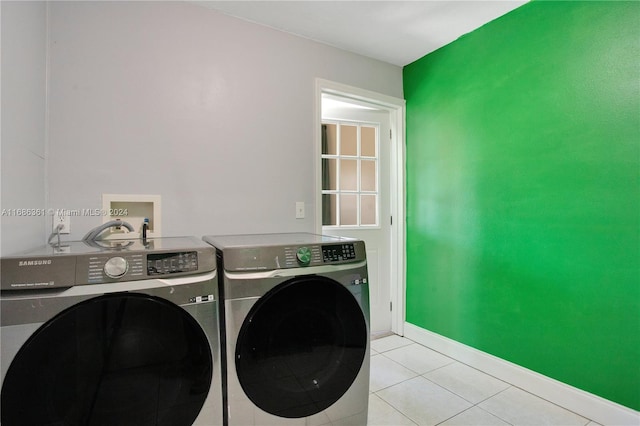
(107, 267)
(101, 262)
(129, 266)
(172, 263)
(116, 267)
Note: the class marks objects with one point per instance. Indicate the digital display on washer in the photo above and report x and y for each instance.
(338, 252)
(172, 263)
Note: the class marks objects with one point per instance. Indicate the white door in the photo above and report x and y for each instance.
(356, 167)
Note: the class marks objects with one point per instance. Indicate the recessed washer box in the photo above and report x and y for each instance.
(132, 208)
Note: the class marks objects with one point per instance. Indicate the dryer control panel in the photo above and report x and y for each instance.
(292, 256)
(338, 252)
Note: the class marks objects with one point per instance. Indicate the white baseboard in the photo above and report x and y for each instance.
(580, 402)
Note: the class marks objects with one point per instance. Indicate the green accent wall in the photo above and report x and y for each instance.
(523, 192)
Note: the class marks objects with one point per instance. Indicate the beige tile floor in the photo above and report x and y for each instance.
(414, 385)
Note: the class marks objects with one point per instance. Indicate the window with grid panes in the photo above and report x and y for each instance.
(350, 174)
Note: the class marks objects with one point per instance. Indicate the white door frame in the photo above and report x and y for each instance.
(396, 108)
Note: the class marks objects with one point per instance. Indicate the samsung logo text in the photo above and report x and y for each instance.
(34, 262)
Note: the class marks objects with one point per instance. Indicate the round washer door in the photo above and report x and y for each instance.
(122, 359)
(301, 347)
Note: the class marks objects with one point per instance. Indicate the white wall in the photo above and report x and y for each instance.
(213, 113)
(23, 86)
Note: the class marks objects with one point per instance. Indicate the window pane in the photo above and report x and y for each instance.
(329, 174)
(329, 208)
(368, 177)
(368, 210)
(368, 141)
(348, 209)
(329, 139)
(348, 140)
(349, 175)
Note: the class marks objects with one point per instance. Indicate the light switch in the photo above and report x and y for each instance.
(299, 209)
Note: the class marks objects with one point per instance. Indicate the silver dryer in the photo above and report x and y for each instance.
(296, 320)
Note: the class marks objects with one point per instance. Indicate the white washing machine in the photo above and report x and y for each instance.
(111, 333)
(296, 315)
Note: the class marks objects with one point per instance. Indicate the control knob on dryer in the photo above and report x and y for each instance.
(116, 267)
(304, 256)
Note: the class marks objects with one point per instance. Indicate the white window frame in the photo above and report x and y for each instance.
(358, 191)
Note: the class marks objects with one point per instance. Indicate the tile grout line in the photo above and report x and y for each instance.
(550, 402)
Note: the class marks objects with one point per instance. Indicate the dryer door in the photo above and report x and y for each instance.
(121, 359)
(301, 347)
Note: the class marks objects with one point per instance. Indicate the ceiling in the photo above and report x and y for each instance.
(397, 32)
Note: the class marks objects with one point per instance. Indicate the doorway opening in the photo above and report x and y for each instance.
(360, 188)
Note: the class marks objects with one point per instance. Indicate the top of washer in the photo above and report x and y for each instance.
(271, 240)
(105, 261)
(76, 248)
